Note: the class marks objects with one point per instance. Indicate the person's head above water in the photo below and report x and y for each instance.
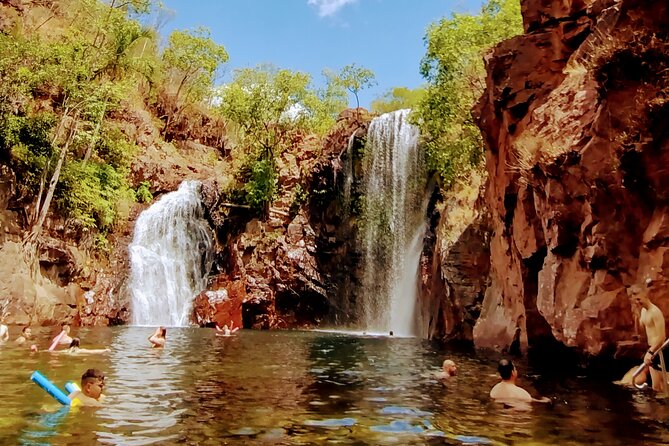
(449, 367)
(92, 383)
(506, 369)
(75, 343)
(27, 332)
(163, 331)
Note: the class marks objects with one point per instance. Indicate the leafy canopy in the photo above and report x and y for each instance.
(453, 67)
(398, 98)
(355, 79)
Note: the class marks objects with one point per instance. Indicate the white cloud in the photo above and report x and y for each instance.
(329, 7)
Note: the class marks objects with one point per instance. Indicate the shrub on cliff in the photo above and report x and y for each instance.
(453, 67)
(269, 109)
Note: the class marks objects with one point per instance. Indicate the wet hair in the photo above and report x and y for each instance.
(505, 369)
(75, 342)
(91, 375)
(163, 332)
(27, 327)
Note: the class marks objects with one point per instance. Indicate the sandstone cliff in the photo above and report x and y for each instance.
(295, 268)
(576, 121)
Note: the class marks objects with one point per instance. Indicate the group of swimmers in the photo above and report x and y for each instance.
(506, 391)
(652, 368)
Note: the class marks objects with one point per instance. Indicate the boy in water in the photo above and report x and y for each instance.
(507, 390)
(92, 384)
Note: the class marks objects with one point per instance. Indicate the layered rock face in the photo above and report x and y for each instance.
(455, 263)
(576, 120)
(294, 268)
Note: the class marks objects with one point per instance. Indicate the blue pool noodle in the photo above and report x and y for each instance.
(71, 387)
(50, 388)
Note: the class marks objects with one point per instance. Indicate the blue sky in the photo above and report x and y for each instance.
(385, 36)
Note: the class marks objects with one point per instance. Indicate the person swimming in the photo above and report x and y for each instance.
(26, 335)
(75, 349)
(448, 369)
(226, 331)
(92, 385)
(507, 390)
(64, 335)
(158, 338)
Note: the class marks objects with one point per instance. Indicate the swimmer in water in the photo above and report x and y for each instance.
(158, 338)
(26, 335)
(507, 390)
(92, 385)
(74, 349)
(226, 331)
(448, 369)
(65, 331)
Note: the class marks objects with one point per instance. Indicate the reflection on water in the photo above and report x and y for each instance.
(304, 388)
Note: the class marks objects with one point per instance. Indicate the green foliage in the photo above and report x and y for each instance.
(261, 185)
(355, 78)
(269, 107)
(143, 193)
(300, 196)
(88, 192)
(398, 98)
(453, 67)
(80, 76)
(195, 57)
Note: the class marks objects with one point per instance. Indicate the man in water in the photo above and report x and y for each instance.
(157, 339)
(653, 321)
(92, 384)
(448, 369)
(26, 335)
(507, 390)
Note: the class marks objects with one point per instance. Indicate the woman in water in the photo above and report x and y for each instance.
(157, 339)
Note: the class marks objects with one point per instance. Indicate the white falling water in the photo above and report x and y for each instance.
(170, 257)
(393, 226)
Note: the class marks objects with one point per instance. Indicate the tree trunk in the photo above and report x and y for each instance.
(43, 211)
(96, 132)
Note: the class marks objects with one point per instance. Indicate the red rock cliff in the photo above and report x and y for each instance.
(576, 119)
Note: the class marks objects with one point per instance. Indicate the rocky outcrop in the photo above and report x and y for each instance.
(288, 270)
(576, 119)
(455, 263)
(334, 210)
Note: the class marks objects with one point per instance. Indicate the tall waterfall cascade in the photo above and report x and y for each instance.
(170, 258)
(393, 226)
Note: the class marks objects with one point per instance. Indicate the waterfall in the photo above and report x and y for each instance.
(393, 225)
(170, 257)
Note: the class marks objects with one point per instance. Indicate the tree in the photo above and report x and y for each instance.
(453, 67)
(193, 58)
(397, 99)
(266, 104)
(356, 79)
